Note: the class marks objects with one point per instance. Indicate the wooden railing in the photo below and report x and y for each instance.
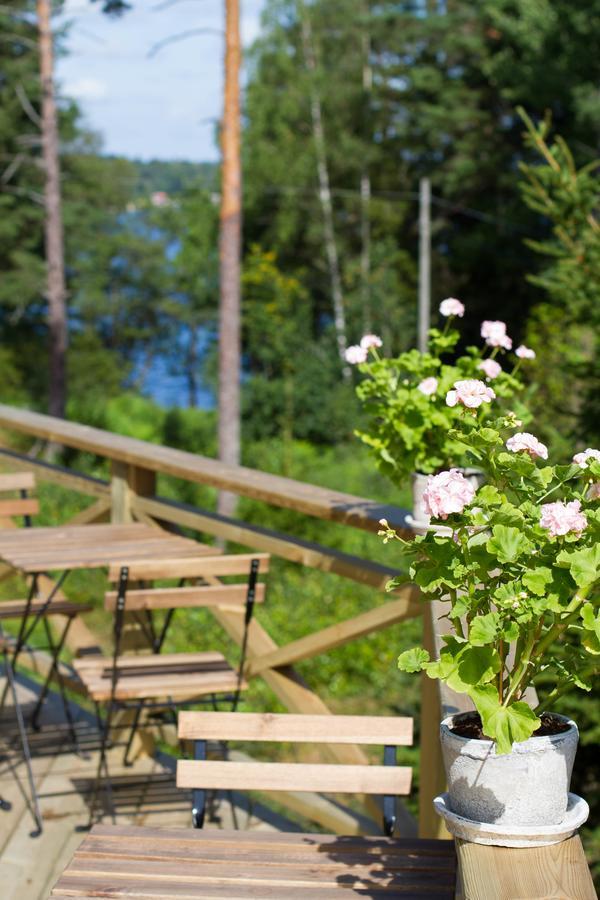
(130, 494)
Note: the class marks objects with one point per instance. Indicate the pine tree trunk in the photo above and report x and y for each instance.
(365, 182)
(229, 254)
(55, 283)
(316, 113)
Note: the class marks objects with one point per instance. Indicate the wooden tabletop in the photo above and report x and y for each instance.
(126, 862)
(35, 550)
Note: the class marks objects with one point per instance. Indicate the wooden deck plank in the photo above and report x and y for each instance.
(502, 873)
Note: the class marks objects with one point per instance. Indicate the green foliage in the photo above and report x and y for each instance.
(566, 326)
(513, 576)
(410, 430)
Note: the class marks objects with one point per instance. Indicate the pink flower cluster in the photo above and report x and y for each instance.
(490, 368)
(561, 518)
(428, 386)
(446, 493)
(358, 353)
(581, 459)
(524, 352)
(470, 393)
(452, 307)
(495, 334)
(528, 443)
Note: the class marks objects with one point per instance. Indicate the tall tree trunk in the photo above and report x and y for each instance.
(229, 256)
(316, 114)
(55, 284)
(365, 180)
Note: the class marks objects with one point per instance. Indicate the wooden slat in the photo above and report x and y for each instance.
(17, 481)
(186, 597)
(341, 632)
(306, 553)
(331, 779)
(142, 663)
(202, 567)
(11, 609)
(502, 873)
(216, 726)
(310, 499)
(21, 506)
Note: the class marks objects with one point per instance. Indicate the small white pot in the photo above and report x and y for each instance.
(526, 787)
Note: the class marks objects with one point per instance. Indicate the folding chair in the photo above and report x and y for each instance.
(10, 677)
(415, 868)
(34, 609)
(160, 681)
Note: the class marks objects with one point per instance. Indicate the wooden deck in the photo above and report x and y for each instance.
(144, 795)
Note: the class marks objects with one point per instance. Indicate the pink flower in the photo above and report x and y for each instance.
(581, 459)
(446, 493)
(355, 355)
(369, 341)
(495, 334)
(490, 367)
(561, 518)
(594, 491)
(452, 307)
(471, 393)
(428, 386)
(529, 443)
(524, 352)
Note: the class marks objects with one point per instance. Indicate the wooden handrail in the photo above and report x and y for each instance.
(305, 498)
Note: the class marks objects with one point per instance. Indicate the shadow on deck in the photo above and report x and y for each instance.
(144, 794)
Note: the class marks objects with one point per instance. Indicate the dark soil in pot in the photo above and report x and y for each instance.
(469, 726)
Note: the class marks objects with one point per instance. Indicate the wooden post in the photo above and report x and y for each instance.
(424, 262)
(55, 279)
(229, 257)
(126, 483)
(432, 778)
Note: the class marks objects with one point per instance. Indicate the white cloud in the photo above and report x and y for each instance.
(85, 88)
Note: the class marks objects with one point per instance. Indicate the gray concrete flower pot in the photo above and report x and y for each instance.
(528, 787)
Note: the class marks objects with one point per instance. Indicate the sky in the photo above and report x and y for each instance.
(163, 106)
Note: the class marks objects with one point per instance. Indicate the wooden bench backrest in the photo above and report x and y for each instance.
(196, 567)
(274, 776)
(22, 505)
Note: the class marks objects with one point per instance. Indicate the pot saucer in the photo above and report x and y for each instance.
(514, 835)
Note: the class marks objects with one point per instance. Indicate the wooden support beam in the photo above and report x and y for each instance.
(285, 546)
(341, 632)
(74, 481)
(128, 482)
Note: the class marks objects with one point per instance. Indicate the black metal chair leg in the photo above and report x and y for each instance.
(102, 769)
(25, 744)
(132, 732)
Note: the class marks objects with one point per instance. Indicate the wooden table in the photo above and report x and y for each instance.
(62, 548)
(127, 862)
(34, 551)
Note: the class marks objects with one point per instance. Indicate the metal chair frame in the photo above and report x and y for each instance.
(157, 641)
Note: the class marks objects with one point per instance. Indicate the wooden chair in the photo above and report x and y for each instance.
(33, 610)
(165, 681)
(388, 780)
(5, 648)
(19, 483)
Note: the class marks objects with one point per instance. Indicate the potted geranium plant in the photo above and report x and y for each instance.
(517, 563)
(409, 423)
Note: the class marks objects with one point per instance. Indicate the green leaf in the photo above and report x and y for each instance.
(584, 565)
(504, 724)
(591, 621)
(462, 666)
(507, 544)
(484, 629)
(413, 660)
(489, 495)
(537, 580)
